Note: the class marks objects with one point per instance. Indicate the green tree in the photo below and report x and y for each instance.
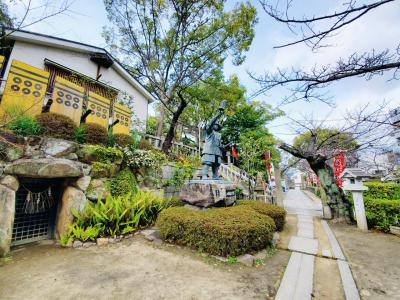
(173, 44)
(5, 19)
(249, 117)
(205, 98)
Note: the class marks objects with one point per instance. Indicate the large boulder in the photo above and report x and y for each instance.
(7, 212)
(82, 183)
(45, 168)
(72, 199)
(58, 147)
(98, 190)
(10, 151)
(11, 182)
(206, 193)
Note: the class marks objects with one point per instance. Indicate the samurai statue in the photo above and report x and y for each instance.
(212, 150)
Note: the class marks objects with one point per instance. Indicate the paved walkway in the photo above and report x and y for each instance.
(307, 245)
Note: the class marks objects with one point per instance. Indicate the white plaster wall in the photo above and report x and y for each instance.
(35, 55)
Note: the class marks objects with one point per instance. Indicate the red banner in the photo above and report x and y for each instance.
(338, 166)
(234, 152)
(268, 163)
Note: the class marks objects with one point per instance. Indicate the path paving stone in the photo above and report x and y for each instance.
(297, 282)
(304, 245)
(305, 232)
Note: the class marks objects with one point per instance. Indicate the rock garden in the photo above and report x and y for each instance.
(104, 188)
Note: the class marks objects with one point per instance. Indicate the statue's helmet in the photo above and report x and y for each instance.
(217, 127)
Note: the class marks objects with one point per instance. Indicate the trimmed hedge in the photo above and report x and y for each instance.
(56, 125)
(227, 231)
(124, 183)
(382, 213)
(382, 190)
(122, 139)
(95, 134)
(278, 214)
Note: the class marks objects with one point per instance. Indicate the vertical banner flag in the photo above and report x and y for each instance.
(338, 166)
(268, 164)
(234, 152)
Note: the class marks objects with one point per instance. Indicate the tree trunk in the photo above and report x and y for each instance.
(166, 146)
(336, 198)
(279, 193)
(160, 121)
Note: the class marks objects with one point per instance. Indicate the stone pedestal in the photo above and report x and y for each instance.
(207, 193)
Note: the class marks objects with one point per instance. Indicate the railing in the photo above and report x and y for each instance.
(234, 174)
(158, 141)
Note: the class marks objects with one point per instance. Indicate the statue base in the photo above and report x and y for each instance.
(208, 192)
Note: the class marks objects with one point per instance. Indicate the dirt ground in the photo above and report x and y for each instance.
(134, 269)
(374, 259)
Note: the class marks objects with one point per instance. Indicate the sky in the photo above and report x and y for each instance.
(378, 30)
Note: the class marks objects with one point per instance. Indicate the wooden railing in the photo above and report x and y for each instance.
(158, 141)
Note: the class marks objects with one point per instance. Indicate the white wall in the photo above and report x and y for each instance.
(35, 54)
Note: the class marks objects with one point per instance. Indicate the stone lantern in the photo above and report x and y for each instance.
(353, 182)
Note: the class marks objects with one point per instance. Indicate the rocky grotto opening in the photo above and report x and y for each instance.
(36, 205)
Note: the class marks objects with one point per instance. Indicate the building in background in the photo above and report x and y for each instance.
(91, 68)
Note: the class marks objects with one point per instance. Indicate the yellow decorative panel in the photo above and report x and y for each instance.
(25, 89)
(123, 114)
(2, 60)
(100, 107)
(67, 99)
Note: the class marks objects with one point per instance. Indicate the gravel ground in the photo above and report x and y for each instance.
(374, 259)
(134, 269)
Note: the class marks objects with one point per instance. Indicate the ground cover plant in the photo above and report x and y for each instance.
(25, 126)
(278, 214)
(115, 216)
(227, 231)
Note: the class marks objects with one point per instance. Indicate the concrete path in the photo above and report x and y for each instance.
(300, 274)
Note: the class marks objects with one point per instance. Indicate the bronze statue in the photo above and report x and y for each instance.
(212, 150)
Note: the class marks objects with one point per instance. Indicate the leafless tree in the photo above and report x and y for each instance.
(315, 32)
(20, 14)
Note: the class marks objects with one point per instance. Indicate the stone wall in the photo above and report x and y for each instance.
(41, 157)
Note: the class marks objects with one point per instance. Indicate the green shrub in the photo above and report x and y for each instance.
(116, 215)
(57, 125)
(382, 213)
(148, 159)
(382, 190)
(277, 213)
(228, 231)
(318, 192)
(98, 153)
(122, 139)
(124, 183)
(95, 134)
(25, 126)
(80, 135)
(145, 145)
